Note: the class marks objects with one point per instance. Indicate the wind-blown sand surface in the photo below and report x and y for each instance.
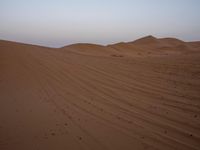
(127, 96)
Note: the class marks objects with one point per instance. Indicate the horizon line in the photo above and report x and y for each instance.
(44, 46)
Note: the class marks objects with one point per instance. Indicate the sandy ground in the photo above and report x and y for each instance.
(127, 96)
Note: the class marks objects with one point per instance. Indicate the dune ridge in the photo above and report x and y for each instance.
(136, 95)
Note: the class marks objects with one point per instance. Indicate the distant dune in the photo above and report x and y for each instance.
(140, 95)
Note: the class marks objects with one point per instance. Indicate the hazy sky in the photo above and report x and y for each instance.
(60, 22)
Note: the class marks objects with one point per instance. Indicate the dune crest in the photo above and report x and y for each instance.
(147, 40)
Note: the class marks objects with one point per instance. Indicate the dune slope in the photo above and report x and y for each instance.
(61, 99)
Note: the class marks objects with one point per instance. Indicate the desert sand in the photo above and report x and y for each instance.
(137, 95)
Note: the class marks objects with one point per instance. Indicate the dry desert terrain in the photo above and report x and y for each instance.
(140, 95)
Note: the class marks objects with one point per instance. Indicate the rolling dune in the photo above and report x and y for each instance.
(133, 96)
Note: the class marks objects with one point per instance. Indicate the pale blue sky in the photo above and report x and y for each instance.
(61, 22)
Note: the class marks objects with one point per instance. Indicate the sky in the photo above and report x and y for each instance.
(55, 23)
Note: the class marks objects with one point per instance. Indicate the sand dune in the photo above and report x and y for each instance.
(152, 46)
(132, 96)
(90, 49)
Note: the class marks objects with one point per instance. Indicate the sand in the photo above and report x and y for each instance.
(126, 96)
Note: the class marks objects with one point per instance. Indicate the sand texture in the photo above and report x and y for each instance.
(140, 95)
